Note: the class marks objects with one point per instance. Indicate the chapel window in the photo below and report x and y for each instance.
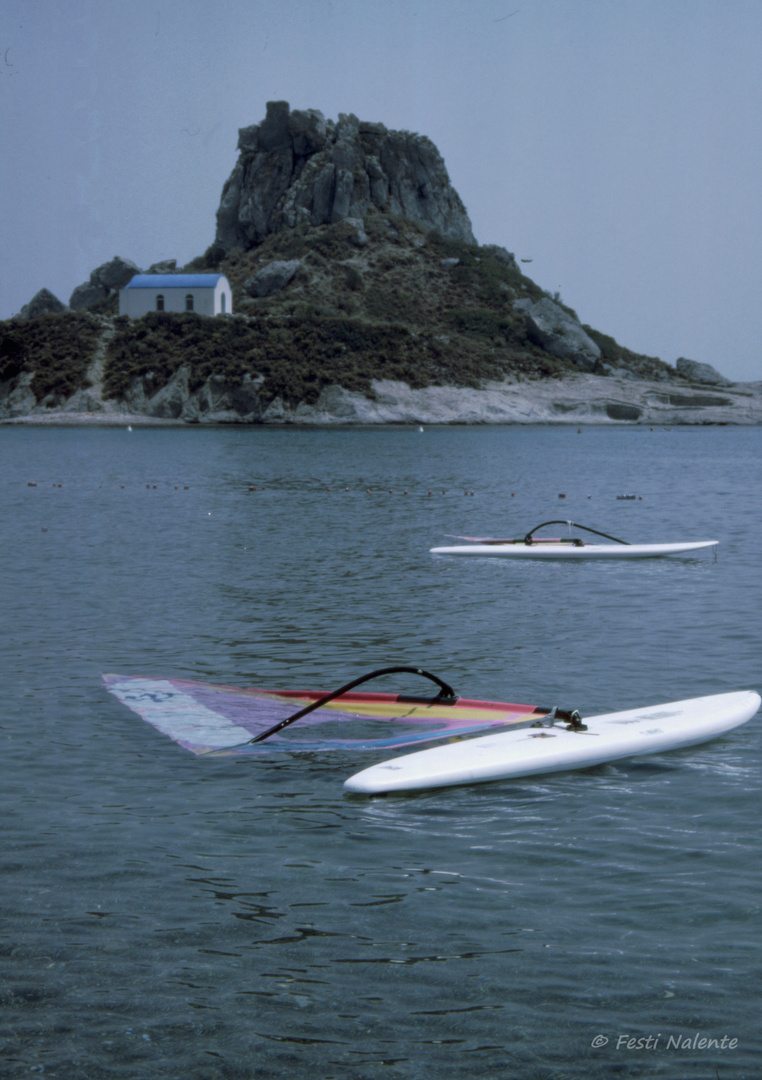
(159, 302)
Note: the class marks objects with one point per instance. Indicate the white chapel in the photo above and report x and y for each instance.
(207, 294)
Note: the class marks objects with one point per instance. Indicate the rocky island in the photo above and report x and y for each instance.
(360, 296)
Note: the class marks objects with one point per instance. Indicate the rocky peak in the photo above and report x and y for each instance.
(42, 303)
(297, 168)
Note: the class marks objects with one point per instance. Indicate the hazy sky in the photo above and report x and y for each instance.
(616, 143)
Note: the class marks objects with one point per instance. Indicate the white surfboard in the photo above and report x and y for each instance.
(562, 549)
(532, 751)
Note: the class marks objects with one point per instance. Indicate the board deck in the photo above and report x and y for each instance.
(532, 751)
(560, 549)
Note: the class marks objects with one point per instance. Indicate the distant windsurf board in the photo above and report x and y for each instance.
(559, 548)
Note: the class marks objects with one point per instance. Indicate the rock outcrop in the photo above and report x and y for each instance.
(42, 303)
(106, 280)
(700, 373)
(577, 399)
(559, 333)
(297, 168)
(273, 277)
(166, 266)
(87, 295)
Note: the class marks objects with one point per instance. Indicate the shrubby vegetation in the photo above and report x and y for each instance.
(296, 357)
(353, 313)
(648, 367)
(57, 348)
(495, 326)
(389, 305)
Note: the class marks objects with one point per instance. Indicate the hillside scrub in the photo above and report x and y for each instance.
(57, 348)
(388, 308)
(379, 299)
(648, 367)
(295, 356)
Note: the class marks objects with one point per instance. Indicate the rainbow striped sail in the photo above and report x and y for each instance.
(222, 720)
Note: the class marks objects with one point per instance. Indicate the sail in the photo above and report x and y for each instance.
(205, 718)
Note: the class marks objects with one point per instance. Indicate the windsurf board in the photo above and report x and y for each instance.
(563, 549)
(535, 750)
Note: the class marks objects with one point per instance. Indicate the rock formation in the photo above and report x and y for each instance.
(105, 281)
(700, 373)
(361, 297)
(42, 303)
(559, 333)
(166, 266)
(273, 277)
(578, 399)
(297, 168)
(87, 295)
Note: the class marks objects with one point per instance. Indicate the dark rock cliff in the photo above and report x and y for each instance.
(297, 168)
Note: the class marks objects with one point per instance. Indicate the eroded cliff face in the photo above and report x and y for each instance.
(297, 168)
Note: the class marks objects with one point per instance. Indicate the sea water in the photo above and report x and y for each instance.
(167, 917)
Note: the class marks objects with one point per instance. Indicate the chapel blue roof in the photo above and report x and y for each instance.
(174, 281)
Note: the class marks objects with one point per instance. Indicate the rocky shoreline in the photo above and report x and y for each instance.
(580, 399)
